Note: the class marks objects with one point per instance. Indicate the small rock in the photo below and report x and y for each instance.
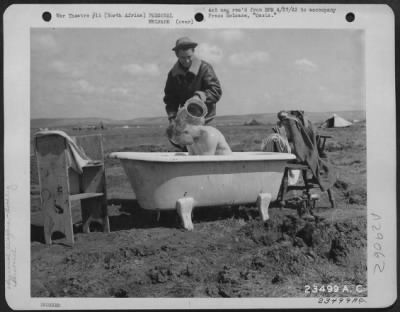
(121, 293)
(52, 294)
(241, 222)
(277, 279)
(306, 233)
(355, 199)
(212, 291)
(308, 217)
(311, 254)
(223, 292)
(257, 263)
(319, 219)
(298, 242)
(284, 238)
(286, 243)
(339, 250)
(228, 276)
(245, 275)
(159, 275)
(163, 255)
(340, 227)
(341, 185)
(268, 225)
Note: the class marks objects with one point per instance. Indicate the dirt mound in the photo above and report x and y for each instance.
(339, 250)
(352, 194)
(293, 242)
(341, 185)
(356, 195)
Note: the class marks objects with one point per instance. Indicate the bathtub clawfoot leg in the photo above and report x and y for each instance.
(184, 207)
(263, 201)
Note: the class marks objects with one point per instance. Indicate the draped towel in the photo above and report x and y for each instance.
(76, 157)
(279, 144)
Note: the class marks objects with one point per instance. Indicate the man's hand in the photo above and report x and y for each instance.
(201, 95)
(195, 96)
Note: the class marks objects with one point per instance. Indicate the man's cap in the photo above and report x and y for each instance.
(184, 42)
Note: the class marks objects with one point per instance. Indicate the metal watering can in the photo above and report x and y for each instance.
(192, 112)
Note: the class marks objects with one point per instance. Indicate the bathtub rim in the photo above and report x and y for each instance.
(170, 157)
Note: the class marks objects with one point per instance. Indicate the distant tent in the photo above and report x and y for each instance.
(252, 122)
(335, 121)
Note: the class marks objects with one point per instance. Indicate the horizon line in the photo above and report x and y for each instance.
(148, 117)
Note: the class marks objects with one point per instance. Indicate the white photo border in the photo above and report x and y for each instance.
(378, 23)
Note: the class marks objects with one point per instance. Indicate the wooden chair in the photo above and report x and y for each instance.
(60, 185)
(321, 140)
(309, 181)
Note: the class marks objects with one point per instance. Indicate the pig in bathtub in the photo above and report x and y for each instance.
(199, 139)
(188, 130)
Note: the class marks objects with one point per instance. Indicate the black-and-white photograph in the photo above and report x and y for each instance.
(199, 162)
(154, 94)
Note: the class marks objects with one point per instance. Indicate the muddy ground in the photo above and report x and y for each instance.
(231, 252)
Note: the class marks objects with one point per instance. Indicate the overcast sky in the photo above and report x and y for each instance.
(121, 73)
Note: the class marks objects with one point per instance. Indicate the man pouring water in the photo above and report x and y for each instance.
(190, 77)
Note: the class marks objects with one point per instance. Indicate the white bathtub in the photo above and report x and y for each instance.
(164, 181)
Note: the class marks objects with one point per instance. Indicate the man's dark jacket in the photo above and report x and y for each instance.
(199, 79)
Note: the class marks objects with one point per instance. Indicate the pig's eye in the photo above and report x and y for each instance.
(186, 132)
